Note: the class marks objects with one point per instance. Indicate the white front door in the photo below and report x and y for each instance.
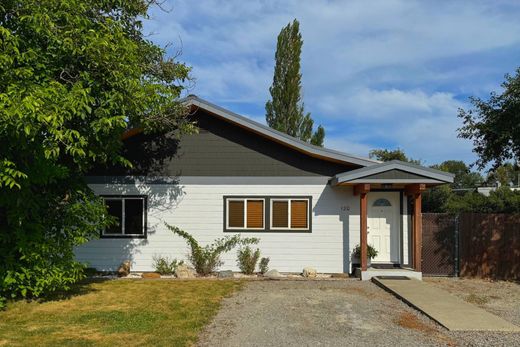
(383, 225)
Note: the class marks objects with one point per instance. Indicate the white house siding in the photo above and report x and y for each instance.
(198, 209)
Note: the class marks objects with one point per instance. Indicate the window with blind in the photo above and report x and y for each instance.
(267, 213)
(290, 214)
(245, 213)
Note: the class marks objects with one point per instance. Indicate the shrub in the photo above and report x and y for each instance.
(371, 252)
(38, 259)
(206, 259)
(165, 265)
(247, 259)
(503, 200)
(264, 265)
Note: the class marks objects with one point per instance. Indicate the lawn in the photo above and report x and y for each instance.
(117, 313)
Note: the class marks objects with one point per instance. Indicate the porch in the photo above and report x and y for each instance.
(377, 187)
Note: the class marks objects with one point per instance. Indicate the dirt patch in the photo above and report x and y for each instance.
(410, 321)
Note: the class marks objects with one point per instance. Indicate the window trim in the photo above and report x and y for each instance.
(245, 200)
(144, 235)
(267, 214)
(289, 208)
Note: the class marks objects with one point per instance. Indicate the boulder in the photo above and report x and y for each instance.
(124, 268)
(272, 274)
(225, 274)
(309, 272)
(151, 275)
(185, 271)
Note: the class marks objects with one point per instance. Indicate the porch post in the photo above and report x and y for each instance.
(362, 190)
(415, 191)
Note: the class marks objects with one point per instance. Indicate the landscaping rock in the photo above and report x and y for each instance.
(185, 271)
(225, 274)
(272, 274)
(309, 272)
(124, 268)
(134, 275)
(151, 275)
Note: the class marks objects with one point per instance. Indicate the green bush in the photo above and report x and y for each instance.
(165, 265)
(247, 259)
(503, 200)
(44, 259)
(371, 252)
(264, 265)
(207, 259)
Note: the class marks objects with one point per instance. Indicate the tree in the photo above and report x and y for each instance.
(494, 124)
(285, 111)
(464, 177)
(74, 75)
(388, 155)
(506, 175)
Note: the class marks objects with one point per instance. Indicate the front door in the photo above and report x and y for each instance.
(383, 225)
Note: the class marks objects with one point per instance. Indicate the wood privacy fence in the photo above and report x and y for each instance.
(472, 245)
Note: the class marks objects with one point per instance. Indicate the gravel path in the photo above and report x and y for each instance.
(337, 313)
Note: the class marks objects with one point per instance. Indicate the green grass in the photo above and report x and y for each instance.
(117, 313)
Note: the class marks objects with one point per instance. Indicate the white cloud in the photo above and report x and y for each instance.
(386, 73)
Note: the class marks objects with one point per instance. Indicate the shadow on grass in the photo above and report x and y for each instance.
(81, 288)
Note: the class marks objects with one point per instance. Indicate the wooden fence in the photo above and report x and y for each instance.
(472, 244)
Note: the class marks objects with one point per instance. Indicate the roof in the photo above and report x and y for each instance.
(403, 172)
(277, 136)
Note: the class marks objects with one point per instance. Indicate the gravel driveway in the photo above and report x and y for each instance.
(318, 313)
(330, 313)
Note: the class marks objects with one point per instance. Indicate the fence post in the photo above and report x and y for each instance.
(457, 249)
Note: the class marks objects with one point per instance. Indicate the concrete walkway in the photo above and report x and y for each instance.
(446, 309)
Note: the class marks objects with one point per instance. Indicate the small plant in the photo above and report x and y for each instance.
(371, 252)
(165, 265)
(264, 265)
(207, 259)
(247, 259)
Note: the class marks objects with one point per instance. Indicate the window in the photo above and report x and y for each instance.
(245, 213)
(381, 202)
(130, 212)
(291, 214)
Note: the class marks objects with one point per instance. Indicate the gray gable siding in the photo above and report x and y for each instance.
(219, 149)
(394, 174)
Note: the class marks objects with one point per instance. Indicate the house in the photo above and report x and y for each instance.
(310, 206)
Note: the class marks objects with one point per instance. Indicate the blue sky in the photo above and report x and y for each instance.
(378, 74)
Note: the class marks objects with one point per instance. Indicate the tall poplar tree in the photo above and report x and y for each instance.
(285, 112)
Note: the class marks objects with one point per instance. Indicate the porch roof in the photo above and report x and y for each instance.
(393, 172)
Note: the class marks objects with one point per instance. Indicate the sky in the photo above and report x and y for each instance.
(375, 74)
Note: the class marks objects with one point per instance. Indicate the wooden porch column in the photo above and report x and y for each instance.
(415, 191)
(362, 190)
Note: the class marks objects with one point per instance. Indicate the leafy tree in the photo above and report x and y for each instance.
(464, 177)
(506, 175)
(435, 199)
(494, 124)
(285, 112)
(389, 155)
(74, 75)
(503, 200)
